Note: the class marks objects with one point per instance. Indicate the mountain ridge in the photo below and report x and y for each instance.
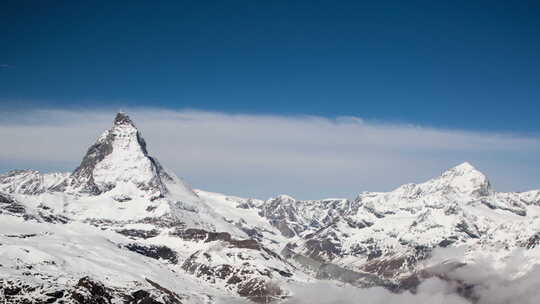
(124, 203)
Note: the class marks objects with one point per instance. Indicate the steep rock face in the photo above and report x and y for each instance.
(119, 159)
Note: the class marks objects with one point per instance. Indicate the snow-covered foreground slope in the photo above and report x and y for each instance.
(122, 229)
(43, 261)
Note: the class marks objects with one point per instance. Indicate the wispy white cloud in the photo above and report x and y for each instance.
(264, 155)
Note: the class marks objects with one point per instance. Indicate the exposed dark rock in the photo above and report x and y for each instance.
(53, 218)
(283, 227)
(44, 207)
(389, 266)
(170, 296)
(248, 244)
(213, 273)
(142, 297)
(386, 267)
(533, 241)
(357, 224)
(373, 211)
(151, 208)
(122, 198)
(83, 176)
(446, 242)
(260, 291)
(12, 290)
(253, 233)
(373, 254)
(468, 230)
(138, 233)
(21, 236)
(192, 234)
(9, 204)
(518, 211)
(55, 294)
(282, 273)
(323, 249)
(88, 291)
(248, 204)
(154, 251)
(166, 221)
(140, 294)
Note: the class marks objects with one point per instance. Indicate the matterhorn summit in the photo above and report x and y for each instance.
(119, 162)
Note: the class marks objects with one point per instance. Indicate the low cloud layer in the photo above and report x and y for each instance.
(256, 155)
(511, 280)
(433, 291)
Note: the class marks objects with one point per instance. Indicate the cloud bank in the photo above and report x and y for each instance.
(261, 156)
(512, 280)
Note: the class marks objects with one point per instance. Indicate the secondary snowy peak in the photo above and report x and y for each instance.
(119, 160)
(464, 179)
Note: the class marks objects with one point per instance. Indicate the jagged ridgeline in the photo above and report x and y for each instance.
(121, 228)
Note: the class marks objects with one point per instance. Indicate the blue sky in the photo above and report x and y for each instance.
(450, 64)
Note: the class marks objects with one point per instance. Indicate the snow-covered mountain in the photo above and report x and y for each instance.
(121, 228)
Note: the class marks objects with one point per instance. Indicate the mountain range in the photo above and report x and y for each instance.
(121, 228)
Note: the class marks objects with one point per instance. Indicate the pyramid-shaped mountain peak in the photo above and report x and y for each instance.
(119, 158)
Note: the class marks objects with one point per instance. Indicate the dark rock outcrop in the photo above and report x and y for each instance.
(89, 291)
(193, 234)
(138, 233)
(154, 252)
